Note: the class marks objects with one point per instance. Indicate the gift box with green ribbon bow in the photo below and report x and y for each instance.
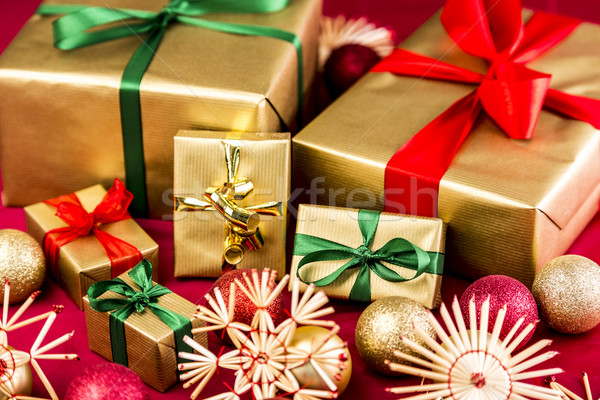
(136, 322)
(108, 105)
(364, 255)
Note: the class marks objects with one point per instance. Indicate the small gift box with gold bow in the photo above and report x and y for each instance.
(88, 236)
(506, 151)
(365, 255)
(136, 322)
(231, 192)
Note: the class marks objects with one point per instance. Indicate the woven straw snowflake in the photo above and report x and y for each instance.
(11, 359)
(263, 359)
(474, 364)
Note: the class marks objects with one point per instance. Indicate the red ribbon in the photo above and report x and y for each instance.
(510, 93)
(112, 208)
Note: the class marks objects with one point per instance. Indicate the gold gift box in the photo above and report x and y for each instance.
(340, 225)
(200, 163)
(199, 79)
(150, 342)
(83, 261)
(510, 205)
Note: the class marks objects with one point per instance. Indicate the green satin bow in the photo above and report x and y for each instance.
(76, 29)
(397, 251)
(136, 301)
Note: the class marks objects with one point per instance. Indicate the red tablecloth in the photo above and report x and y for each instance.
(578, 353)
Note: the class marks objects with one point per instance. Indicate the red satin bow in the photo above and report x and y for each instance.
(510, 93)
(112, 208)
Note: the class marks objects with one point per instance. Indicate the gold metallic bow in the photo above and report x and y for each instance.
(241, 223)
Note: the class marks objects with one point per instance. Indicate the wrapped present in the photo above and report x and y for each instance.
(365, 255)
(136, 322)
(511, 203)
(231, 192)
(111, 110)
(88, 236)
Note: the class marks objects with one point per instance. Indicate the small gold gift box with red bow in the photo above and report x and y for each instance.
(88, 236)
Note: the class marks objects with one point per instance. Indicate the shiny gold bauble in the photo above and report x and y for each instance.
(305, 338)
(382, 324)
(22, 263)
(21, 381)
(567, 291)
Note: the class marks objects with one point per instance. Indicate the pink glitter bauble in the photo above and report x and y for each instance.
(502, 290)
(107, 381)
(244, 308)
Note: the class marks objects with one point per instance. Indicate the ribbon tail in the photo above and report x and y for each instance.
(122, 255)
(361, 290)
(577, 107)
(118, 345)
(413, 174)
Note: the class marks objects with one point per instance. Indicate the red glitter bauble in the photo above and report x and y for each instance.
(244, 308)
(346, 65)
(502, 290)
(107, 381)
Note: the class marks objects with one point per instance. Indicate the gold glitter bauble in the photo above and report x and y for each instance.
(380, 327)
(567, 291)
(22, 263)
(305, 338)
(21, 380)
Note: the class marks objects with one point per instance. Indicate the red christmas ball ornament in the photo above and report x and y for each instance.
(502, 290)
(346, 65)
(107, 381)
(244, 308)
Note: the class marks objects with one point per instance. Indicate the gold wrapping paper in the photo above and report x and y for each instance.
(199, 79)
(83, 261)
(150, 342)
(340, 225)
(200, 164)
(510, 205)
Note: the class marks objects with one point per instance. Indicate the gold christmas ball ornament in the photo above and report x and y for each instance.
(306, 338)
(381, 326)
(18, 381)
(22, 263)
(567, 291)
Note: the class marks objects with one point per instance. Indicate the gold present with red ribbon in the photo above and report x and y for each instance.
(89, 236)
(482, 120)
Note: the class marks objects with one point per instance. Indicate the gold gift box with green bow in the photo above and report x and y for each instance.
(364, 255)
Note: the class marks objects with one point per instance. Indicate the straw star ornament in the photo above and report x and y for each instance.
(264, 358)
(11, 359)
(472, 364)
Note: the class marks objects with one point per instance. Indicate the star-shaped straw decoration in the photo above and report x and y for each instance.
(11, 359)
(474, 365)
(263, 360)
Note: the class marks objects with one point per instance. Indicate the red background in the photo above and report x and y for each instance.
(578, 353)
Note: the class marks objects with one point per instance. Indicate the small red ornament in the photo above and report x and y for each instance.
(346, 65)
(107, 381)
(502, 290)
(244, 308)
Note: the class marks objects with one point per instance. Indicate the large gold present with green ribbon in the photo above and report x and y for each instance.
(231, 191)
(365, 255)
(128, 74)
(136, 322)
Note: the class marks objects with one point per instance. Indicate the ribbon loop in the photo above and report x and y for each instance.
(396, 251)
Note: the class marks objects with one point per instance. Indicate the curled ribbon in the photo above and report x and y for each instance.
(397, 251)
(241, 223)
(136, 301)
(510, 93)
(78, 29)
(112, 208)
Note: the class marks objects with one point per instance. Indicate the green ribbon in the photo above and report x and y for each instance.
(397, 251)
(77, 29)
(136, 301)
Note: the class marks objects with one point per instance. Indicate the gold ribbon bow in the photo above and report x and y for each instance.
(242, 231)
